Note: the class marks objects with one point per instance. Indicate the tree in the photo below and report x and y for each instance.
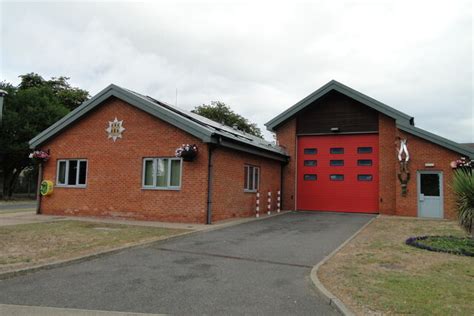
(220, 112)
(30, 108)
(70, 97)
(464, 188)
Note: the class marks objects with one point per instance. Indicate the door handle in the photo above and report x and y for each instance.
(422, 197)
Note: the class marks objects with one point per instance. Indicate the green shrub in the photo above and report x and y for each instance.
(464, 188)
(450, 244)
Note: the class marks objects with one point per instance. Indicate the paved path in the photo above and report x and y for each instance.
(28, 217)
(260, 267)
(18, 310)
(8, 207)
(25, 217)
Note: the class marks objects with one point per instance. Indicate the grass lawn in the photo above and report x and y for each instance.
(31, 244)
(376, 273)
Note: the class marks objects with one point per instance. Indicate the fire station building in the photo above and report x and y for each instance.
(124, 154)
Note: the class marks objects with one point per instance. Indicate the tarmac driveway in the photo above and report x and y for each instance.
(260, 267)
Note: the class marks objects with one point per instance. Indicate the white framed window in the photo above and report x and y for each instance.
(71, 173)
(162, 173)
(251, 178)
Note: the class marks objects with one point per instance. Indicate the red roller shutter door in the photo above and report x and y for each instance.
(338, 173)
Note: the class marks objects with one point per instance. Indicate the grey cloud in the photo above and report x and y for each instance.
(259, 57)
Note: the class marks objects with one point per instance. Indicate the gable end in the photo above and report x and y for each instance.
(115, 91)
(343, 89)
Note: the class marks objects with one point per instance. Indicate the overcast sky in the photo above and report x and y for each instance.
(258, 57)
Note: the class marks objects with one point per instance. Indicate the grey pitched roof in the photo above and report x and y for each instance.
(337, 86)
(206, 130)
(404, 121)
(444, 142)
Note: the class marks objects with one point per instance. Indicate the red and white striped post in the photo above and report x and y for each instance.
(278, 201)
(269, 203)
(257, 205)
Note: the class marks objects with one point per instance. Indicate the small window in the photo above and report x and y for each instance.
(162, 173)
(175, 173)
(310, 163)
(251, 178)
(336, 163)
(336, 177)
(364, 177)
(71, 173)
(364, 150)
(82, 172)
(336, 151)
(310, 177)
(61, 178)
(364, 162)
(310, 151)
(148, 173)
(429, 184)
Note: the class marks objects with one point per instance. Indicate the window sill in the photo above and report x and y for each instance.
(70, 186)
(250, 191)
(162, 189)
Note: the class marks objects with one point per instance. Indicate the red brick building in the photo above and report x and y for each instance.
(115, 156)
(343, 148)
(136, 174)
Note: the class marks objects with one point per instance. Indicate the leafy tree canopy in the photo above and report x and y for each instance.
(70, 97)
(220, 112)
(30, 108)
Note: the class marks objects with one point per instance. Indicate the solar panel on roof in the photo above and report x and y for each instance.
(221, 129)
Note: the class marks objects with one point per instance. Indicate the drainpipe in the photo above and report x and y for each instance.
(281, 185)
(209, 185)
(38, 194)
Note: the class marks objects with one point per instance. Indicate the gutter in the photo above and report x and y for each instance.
(252, 150)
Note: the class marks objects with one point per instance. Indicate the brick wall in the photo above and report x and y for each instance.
(114, 180)
(387, 164)
(390, 200)
(286, 136)
(421, 152)
(229, 198)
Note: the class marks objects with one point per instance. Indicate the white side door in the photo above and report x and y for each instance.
(430, 194)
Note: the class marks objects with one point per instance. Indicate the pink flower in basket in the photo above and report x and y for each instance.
(39, 155)
(187, 152)
(462, 163)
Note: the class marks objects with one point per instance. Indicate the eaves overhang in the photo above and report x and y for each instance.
(436, 139)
